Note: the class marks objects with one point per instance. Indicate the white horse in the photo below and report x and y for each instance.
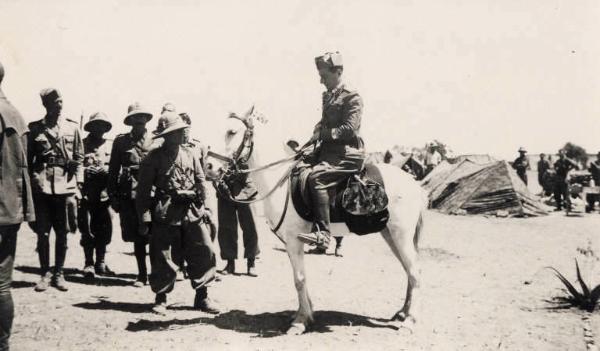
(406, 203)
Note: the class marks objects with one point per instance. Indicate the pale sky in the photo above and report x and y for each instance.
(483, 76)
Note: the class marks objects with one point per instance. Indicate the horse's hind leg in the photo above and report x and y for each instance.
(400, 240)
(304, 316)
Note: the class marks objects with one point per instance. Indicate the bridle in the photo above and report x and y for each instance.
(237, 167)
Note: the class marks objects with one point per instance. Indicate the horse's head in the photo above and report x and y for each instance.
(240, 135)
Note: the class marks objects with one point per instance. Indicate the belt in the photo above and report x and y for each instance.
(56, 161)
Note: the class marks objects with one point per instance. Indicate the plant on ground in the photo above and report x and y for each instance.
(586, 299)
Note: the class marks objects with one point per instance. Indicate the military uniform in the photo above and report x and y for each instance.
(339, 154)
(55, 158)
(561, 186)
(94, 218)
(177, 210)
(595, 171)
(16, 203)
(125, 158)
(229, 214)
(542, 167)
(521, 165)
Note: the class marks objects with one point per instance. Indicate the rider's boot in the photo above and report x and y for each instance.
(320, 235)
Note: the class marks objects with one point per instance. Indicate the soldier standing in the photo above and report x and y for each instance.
(241, 187)
(340, 150)
(521, 165)
(542, 167)
(94, 218)
(562, 166)
(55, 156)
(177, 210)
(595, 171)
(16, 202)
(127, 153)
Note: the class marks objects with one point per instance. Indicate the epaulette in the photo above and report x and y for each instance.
(348, 89)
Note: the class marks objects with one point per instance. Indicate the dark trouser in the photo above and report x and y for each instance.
(8, 246)
(130, 233)
(197, 253)
(523, 177)
(53, 212)
(95, 225)
(229, 213)
(561, 193)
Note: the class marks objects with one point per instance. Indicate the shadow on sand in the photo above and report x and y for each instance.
(74, 275)
(262, 325)
(104, 304)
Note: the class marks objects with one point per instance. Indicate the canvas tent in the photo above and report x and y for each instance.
(471, 188)
(411, 165)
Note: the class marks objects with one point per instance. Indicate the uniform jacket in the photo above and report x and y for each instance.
(172, 173)
(55, 157)
(339, 126)
(562, 167)
(543, 166)
(16, 203)
(521, 164)
(595, 171)
(125, 159)
(96, 159)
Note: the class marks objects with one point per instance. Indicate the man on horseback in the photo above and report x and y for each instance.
(339, 149)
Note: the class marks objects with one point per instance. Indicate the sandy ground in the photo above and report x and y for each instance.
(483, 287)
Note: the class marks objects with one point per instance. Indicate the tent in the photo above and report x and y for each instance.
(470, 188)
(410, 164)
(477, 158)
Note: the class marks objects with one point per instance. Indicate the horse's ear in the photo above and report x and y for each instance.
(291, 147)
(250, 111)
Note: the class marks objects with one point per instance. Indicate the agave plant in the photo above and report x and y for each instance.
(586, 299)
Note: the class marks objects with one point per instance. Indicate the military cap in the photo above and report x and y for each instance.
(98, 118)
(49, 95)
(329, 60)
(522, 149)
(172, 122)
(168, 107)
(136, 109)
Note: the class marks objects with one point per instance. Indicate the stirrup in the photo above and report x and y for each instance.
(317, 238)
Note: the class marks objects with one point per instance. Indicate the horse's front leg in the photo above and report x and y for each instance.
(304, 316)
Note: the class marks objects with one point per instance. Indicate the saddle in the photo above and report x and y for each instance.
(360, 202)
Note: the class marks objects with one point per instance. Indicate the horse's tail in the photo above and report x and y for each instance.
(418, 230)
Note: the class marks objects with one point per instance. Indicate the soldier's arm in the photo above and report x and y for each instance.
(352, 115)
(114, 168)
(200, 179)
(30, 150)
(143, 200)
(78, 155)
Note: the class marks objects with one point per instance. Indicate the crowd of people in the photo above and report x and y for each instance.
(57, 181)
(553, 177)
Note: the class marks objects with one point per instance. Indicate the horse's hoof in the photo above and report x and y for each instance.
(400, 316)
(296, 329)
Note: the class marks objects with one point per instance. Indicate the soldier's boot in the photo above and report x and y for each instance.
(88, 269)
(203, 303)
(59, 281)
(43, 249)
(320, 236)
(160, 304)
(44, 282)
(60, 250)
(101, 268)
(252, 268)
(229, 268)
(140, 257)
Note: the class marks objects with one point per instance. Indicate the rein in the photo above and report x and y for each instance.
(237, 158)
